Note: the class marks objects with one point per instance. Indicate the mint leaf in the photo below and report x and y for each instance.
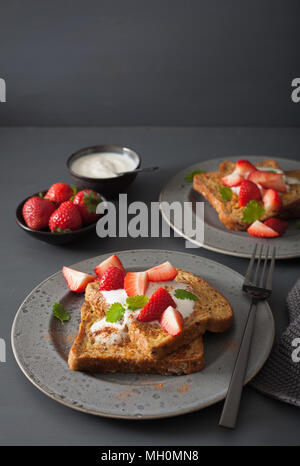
(136, 302)
(226, 193)
(298, 224)
(115, 312)
(190, 176)
(252, 212)
(60, 312)
(184, 294)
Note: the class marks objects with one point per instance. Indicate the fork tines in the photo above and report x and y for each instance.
(263, 282)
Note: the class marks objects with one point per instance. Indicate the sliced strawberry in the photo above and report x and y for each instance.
(112, 279)
(248, 192)
(171, 321)
(234, 179)
(77, 281)
(260, 230)
(156, 305)
(244, 168)
(272, 201)
(277, 224)
(162, 272)
(135, 283)
(112, 261)
(268, 180)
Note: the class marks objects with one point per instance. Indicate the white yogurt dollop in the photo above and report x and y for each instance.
(102, 165)
(114, 333)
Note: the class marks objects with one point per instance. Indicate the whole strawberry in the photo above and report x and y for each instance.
(112, 279)
(87, 201)
(65, 218)
(37, 211)
(59, 192)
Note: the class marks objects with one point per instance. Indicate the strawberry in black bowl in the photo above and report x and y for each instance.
(60, 214)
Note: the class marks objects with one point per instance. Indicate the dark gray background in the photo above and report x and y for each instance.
(135, 62)
(34, 159)
(158, 62)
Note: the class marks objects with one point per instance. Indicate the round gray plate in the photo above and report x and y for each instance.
(216, 236)
(41, 345)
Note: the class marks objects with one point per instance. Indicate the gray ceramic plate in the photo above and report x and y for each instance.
(216, 236)
(41, 345)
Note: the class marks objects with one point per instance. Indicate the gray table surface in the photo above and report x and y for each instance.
(34, 158)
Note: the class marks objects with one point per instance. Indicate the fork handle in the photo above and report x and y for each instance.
(232, 401)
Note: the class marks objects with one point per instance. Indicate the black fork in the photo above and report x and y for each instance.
(258, 288)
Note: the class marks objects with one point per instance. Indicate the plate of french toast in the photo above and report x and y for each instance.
(138, 334)
(247, 200)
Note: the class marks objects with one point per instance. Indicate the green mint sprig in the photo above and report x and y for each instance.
(189, 178)
(114, 313)
(60, 312)
(226, 193)
(136, 302)
(184, 294)
(252, 212)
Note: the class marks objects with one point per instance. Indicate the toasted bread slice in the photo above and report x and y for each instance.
(230, 214)
(211, 312)
(88, 355)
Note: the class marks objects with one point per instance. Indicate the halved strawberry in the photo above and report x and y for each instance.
(260, 230)
(162, 272)
(171, 321)
(112, 261)
(272, 201)
(156, 305)
(268, 180)
(77, 281)
(234, 179)
(135, 283)
(244, 168)
(112, 279)
(277, 224)
(248, 192)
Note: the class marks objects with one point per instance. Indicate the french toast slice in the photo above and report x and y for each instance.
(229, 212)
(87, 354)
(211, 312)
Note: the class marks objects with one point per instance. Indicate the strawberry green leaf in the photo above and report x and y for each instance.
(184, 294)
(91, 200)
(115, 312)
(60, 312)
(226, 193)
(41, 195)
(252, 212)
(190, 176)
(136, 302)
